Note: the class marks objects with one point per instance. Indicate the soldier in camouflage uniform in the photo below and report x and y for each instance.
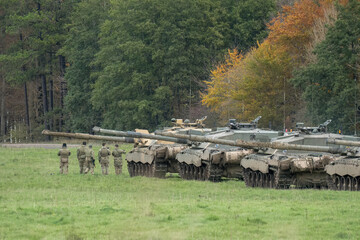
(64, 154)
(81, 156)
(89, 160)
(104, 154)
(118, 159)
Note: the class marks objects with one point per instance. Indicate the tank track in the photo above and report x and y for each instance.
(155, 169)
(343, 183)
(206, 172)
(274, 179)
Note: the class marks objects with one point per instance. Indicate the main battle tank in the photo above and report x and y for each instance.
(273, 168)
(154, 156)
(206, 160)
(344, 171)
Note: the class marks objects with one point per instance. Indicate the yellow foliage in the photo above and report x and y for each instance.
(256, 84)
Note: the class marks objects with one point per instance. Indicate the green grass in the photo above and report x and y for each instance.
(36, 202)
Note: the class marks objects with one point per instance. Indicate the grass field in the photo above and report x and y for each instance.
(36, 202)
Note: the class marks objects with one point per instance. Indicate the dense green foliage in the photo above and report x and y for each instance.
(153, 54)
(136, 64)
(80, 48)
(126, 63)
(38, 203)
(331, 84)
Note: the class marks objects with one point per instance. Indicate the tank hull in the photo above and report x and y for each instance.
(153, 161)
(211, 164)
(281, 171)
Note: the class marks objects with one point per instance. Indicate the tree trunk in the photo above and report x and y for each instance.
(63, 89)
(51, 93)
(27, 117)
(45, 102)
(2, 115)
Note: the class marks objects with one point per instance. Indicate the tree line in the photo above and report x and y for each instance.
(69, 65)
(306, 69)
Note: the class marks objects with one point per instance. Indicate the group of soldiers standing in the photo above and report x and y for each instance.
(86, 158)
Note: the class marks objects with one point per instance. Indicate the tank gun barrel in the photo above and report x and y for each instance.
(343, 142)
(253, 145)
(139, 135)
(88, 136)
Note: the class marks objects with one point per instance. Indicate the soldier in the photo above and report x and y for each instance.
(89, 160)
(81, 156)
(118, 159)
(104, 154)
(64, 154)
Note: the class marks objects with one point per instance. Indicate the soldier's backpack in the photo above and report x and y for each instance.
(104, 152)
(82, 152)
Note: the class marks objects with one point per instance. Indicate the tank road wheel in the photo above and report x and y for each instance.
(130, 166)
(266, 180)
(196, 173)
(146, 170)
(271, 180)
(138, 169)
(187, 172)
(152, 169)
(337, 183)
(181, 170)
(331, 182)
(141, 169)
(202, 173)
(348, 183)
(132, 170)
(353, 182)
(184, 171)
(356, 184)
(257, 179)
(191, 173)
(135, 169)
(206, 172)
(246, 176)
(252, 177)
(342, 183)
(261, 179)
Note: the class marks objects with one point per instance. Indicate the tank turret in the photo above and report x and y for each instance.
(322, 128)
(233, 124)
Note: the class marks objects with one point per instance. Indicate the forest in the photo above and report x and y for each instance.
(124, 64)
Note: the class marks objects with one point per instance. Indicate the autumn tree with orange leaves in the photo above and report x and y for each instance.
(260, 79)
